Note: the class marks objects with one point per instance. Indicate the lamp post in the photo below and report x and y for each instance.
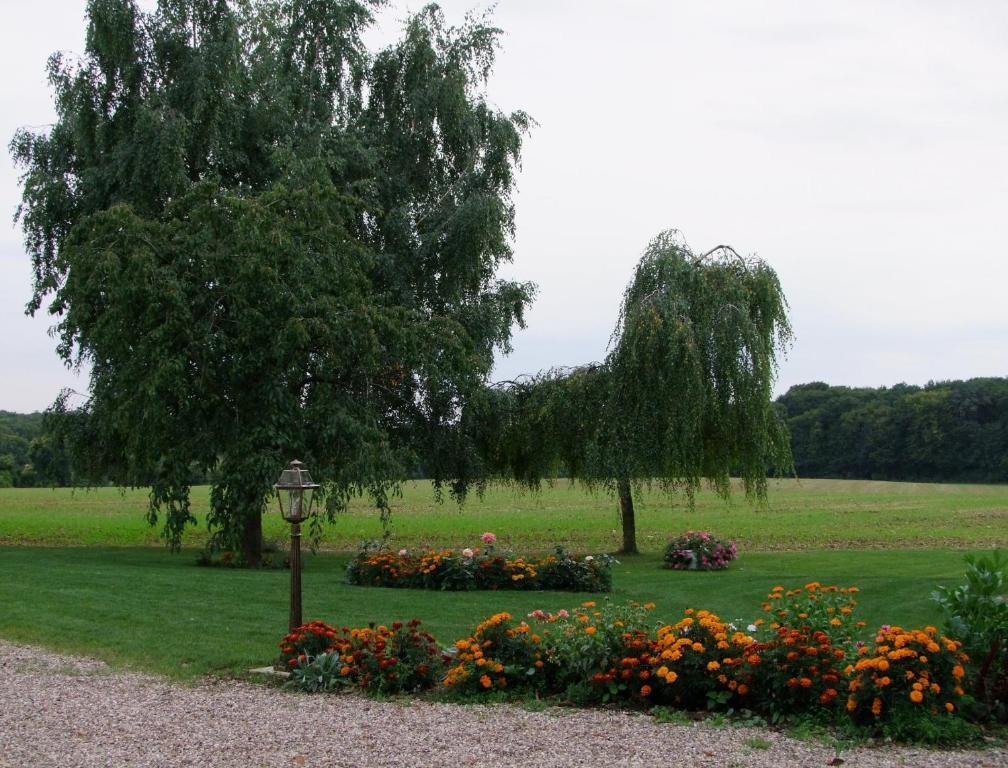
(300, 491)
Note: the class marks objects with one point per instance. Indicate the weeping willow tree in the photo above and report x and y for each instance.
(683, 398)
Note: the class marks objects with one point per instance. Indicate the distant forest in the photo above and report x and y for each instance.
(943, 432)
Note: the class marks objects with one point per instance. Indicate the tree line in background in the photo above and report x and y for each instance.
(945, 431)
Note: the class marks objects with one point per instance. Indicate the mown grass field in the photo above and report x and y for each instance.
(96, 579)
(817, 514)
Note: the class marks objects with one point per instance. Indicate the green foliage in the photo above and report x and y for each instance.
(563, 571)
(945, 431)
(976, 614)
(266, 242)
(683, 397)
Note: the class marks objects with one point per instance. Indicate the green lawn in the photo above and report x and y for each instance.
(95, 580)
(153, 610)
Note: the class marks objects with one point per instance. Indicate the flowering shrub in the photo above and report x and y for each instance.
(564, 572)
(309, 639)
(382, 659)
(915, 672)
(583, 649)
(692, 660)
(797, 669)
(473, 568)
(699, 551)
(500, 652)
(828, 609)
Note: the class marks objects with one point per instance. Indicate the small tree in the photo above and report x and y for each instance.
(266, 243)
(683, 397)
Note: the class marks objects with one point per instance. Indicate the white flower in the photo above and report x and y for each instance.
(403, 553)
(588, 558)
(467, 552)
(751, 628)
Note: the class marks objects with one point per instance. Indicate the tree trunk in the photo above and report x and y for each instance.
(252, 540)
(629, 525)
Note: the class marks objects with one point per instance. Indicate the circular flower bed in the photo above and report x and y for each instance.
(699, 551)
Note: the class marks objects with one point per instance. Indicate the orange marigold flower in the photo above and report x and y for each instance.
(949, 706)
(805, 682)
(916, 697)
(876, 706)
(590, 630)
(743, 689)
(485, 681)
(645, 690)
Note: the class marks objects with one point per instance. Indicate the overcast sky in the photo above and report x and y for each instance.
(861, 148)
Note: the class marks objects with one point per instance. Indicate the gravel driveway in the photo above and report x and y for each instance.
(69, 711)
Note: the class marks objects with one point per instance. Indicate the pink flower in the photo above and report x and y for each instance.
(538, 613)
(563, 614)
(467, 552)
(488, 538)
(403, 553)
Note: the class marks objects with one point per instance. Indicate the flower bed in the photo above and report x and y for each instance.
(475, 568)
(807, 658)
(699, 551)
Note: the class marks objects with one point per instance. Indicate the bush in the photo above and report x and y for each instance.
(815, 607)
(583, 649)
(699, 551)
(472, 568)
(501, 654)
(691, 661)
(976, 614)
(907, 676)
(379, 660)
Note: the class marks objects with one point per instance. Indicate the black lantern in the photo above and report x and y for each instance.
(296, 484)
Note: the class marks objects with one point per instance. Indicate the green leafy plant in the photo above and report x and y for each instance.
(976, 614)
